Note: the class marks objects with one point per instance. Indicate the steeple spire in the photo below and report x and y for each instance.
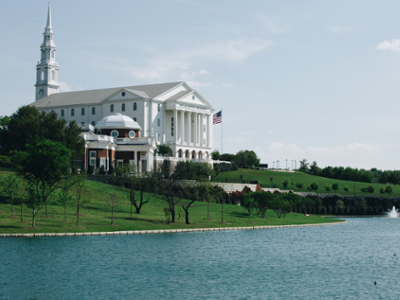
(48, 25)
(47, 69)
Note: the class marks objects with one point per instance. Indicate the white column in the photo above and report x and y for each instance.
(175, 125)
(189, 128)
(182, 127)
(201, 129)
(195, 128)
(208, 131)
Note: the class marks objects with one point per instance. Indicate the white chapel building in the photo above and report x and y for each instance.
(124, 124)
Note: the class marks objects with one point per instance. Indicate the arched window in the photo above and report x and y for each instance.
(72, 112)
(93, 110)
(42, 75)
(52, 54)
(93, 123)
(134, 119)
(158, 122)
(62, 113)
(159, 107)
(43, 55)
(134, 106)
(123, 107)
(82, 111)
(112, 108)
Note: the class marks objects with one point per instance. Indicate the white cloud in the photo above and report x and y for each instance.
(189, 75)
(65, 87)
(228, 85)
(394, 45)
(269, 24)
(338, 29)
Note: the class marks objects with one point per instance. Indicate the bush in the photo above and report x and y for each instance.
(314, 186)
(327, 187)
(285, 183)
(346, 188)
(299, 185)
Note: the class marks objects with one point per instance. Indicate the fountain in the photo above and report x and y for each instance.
(394, 213)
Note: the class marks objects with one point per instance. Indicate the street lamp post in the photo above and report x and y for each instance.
(286, 165)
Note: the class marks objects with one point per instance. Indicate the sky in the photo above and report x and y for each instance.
(311, 79)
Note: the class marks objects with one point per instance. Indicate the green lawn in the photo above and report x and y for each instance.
(263, 178)
(95, 216)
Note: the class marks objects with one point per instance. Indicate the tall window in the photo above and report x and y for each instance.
(172, 126)
(42, 75)
(43, 55)
(93, 156)
(158, 122)
(112, 108)
(52, 54)
(62, 113)
(72, 112)
(82, 111)
(53, 75)
(134, 106)
(93, 110)
(159, 107)
(93, 123)
(123, 107)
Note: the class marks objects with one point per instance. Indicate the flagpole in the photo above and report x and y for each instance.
(222, 136)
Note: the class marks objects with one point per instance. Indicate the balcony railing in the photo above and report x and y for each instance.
(136, 141)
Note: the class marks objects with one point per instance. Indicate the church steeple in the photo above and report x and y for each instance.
(47, 69)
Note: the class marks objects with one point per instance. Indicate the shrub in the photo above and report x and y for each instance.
(346, 188)
(314, 186)
(299, 185)
(327, 187)
(285, 183)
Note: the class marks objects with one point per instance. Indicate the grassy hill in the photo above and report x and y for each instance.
(96, 216)
(263, 178)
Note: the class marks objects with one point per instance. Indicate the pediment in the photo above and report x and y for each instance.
(124, 94)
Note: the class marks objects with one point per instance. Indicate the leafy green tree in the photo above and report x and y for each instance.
(335, 187)
(285, 183)
(327, 187)
(363, 205)
(47, 161)
(299, 185)
(215, 155)
(28, 122)
(339, 204)
(382, 191)
(314, 169)
(363, 190)
(248, 203)
(281, 206)
(388, 190)
(222, 197)
(262, 200)
(192, 193)
(246, 158)
(13, 189)
(314, 186)
(163, 150)
(303, 166)
(206, 195)
(346, 188)
(370, 189)
(171, 193)
(34, 199)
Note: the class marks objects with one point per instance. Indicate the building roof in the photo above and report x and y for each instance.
(117, 121)
(150, 91)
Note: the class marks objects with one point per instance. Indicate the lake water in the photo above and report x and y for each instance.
(328, 262)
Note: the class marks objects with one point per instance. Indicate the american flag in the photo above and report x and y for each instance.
(217, 118)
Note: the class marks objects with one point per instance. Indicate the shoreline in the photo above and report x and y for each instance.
(31, 235)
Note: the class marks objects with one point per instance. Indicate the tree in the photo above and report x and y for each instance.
(34, 198)
(171, 193)
(285, 183)
(303, 165)
(192, 193)
(388, 190)
(206, 195)
(47, 161)
(382, 191)
(314, 186)
(13, 188)
(314, 169)
(327, 187)
(248, 203)
(281, 206)
(340, 205)
(346, 188)
(221, 196)
(79, 189)
(363, 205)
(65, 198)
(246, 158)
(215, 155)
(28, 122)
(262, 200)
(370, 189)
(299, 185)
(335, 187)
(163, 150)
(112, 201)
